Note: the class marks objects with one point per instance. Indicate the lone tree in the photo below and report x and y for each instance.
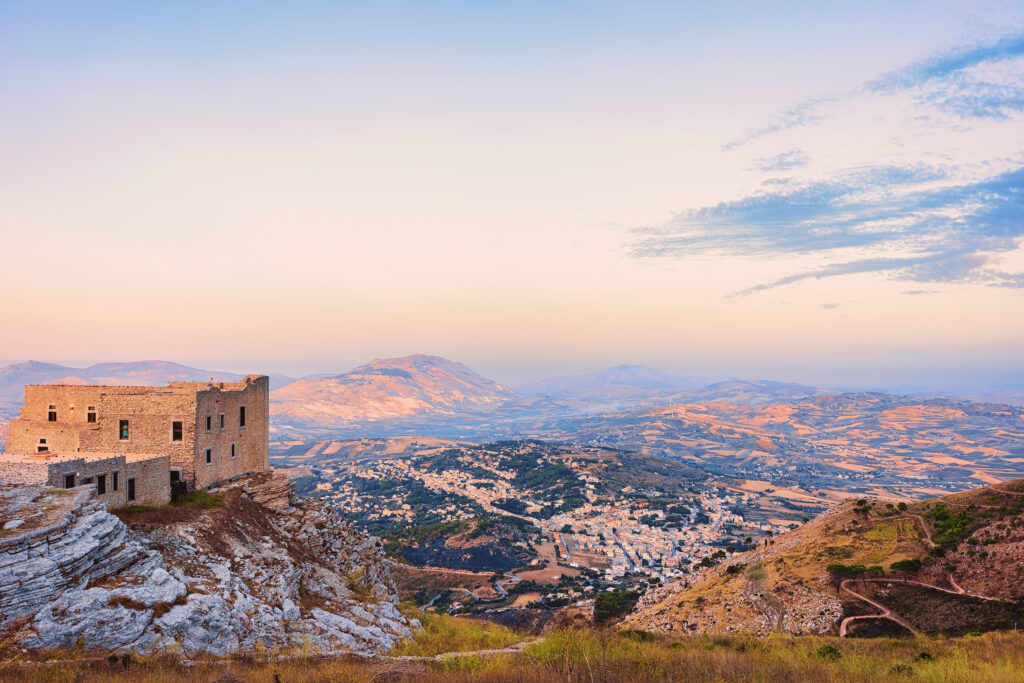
(837, 573)
(906, 567)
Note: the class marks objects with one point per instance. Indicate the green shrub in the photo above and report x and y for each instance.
(615, 604)
(828, 652)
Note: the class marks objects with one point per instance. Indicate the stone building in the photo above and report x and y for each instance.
(117, 479)
(208, 431)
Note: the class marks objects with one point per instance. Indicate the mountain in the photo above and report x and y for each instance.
(13, 378)
(622, 381)
(947, 565)
(751, 392)
(390, 388)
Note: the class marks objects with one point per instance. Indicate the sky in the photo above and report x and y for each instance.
(818, 192)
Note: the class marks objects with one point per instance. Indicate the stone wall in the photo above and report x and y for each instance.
(87, 471)
(23, 472)
(250, 441)
(152, 483)
(27, 436)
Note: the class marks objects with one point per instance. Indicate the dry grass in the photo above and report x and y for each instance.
(444, 633)
(590, 656)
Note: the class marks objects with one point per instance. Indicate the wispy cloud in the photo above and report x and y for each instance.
(932, 222)
(946, 80)
(947, 64)
(785, 161)
(943, 234)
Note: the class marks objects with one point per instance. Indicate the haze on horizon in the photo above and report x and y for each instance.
(825, 194)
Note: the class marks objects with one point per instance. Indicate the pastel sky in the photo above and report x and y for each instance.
(820, 192)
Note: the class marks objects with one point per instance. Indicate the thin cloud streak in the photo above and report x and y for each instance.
(969, 97)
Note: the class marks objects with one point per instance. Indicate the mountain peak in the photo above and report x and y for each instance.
(387, 388)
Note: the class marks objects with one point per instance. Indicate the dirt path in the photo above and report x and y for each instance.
(889, 614)
(886, 612)
(924, 528)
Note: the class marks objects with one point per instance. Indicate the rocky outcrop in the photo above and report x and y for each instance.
(85, 544)
(232, 578)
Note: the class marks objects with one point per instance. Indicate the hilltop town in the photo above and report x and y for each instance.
(588, 517)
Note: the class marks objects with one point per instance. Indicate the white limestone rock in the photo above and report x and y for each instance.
(218, 585)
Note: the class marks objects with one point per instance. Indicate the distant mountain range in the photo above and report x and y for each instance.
(430, 395)
(622, 381)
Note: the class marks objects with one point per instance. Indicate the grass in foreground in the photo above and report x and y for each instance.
(444, 633)
(588, 656)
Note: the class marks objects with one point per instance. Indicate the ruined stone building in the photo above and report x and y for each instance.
(132, 442)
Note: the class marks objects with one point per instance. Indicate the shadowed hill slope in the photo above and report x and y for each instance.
(962, 555)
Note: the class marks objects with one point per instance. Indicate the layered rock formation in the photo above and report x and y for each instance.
(230, 578)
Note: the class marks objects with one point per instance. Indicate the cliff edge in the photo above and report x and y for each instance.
(245, 566)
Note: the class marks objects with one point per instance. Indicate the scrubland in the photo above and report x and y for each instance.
(587, 655)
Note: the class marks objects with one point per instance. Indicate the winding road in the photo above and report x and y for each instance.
(886, 612)
(889, 614)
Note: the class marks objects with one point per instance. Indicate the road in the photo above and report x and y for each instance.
(889, 614)
(886, 612)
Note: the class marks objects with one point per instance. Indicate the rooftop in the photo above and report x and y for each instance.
(172, 388)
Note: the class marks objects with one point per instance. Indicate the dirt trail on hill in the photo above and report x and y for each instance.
(925, 529)
(889, 614)
(886, 612)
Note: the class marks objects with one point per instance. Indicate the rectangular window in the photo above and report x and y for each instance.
(175, 476)
(90, 414)
(232, 451)
(113, 482)
(241, 416)
(52, 414)
(122, 430)
(131, 488)
(42, 449)
(101, 484)
(209, 455)
(209, 422)
(222, 421)
(175, 431)
(69, 481)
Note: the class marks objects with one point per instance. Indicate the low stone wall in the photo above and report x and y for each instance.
(152, 480)
(23, 472)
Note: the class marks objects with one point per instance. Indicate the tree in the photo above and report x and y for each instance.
(614, 605)
(902, 507)
(906, 567)
(837, 573)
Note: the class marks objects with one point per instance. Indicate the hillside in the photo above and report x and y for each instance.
(388, 389)
(871, 443)
(950, 565)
